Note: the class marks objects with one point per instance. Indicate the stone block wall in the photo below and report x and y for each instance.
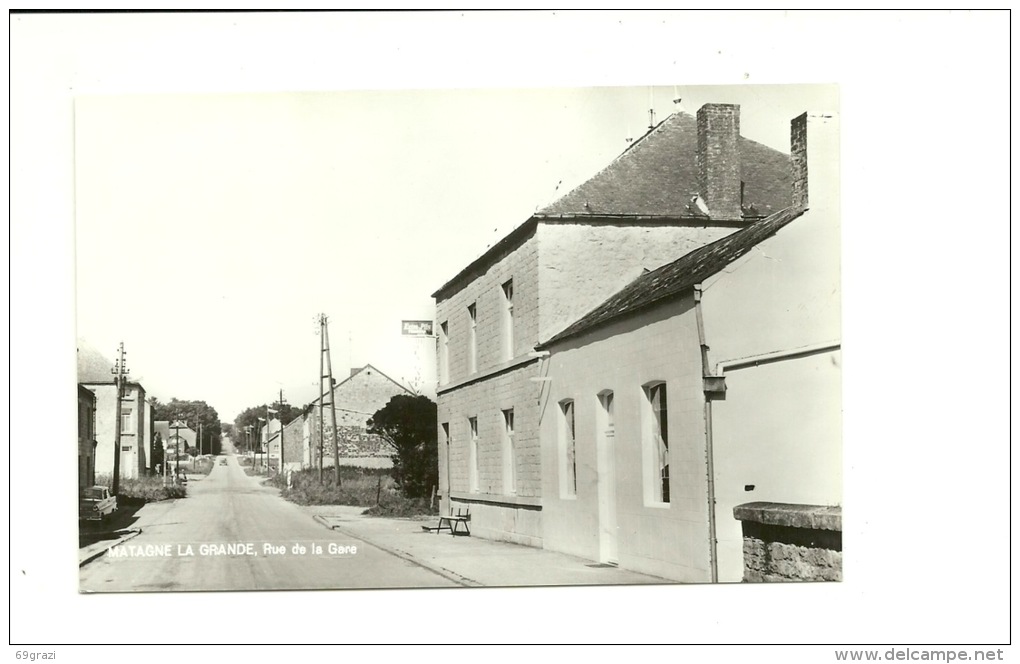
(784, 542)
(486, 400)
(518, 264)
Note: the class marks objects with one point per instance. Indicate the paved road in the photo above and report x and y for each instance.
(229, 508)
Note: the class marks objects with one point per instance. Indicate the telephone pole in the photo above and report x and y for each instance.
(120, 372)
(326, 374)
(278, 417)
(322, 393)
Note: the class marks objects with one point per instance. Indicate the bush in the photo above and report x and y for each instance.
(361, 487)
(144, 489)
(408, 424)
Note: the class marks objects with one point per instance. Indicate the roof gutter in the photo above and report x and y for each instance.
(775, 356)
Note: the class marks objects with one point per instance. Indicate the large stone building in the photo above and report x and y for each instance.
(688, 182)
(702, 385)
(356, 399)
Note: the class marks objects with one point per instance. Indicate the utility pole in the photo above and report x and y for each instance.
(326, 374)
(177, 445)
(269, 432)
(281, 429)
(201, 444)
(322, 389)
(259, 432)
(120, 372)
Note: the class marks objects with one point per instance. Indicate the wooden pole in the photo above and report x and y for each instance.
(118, 371)
(322, 392)
(332, 409)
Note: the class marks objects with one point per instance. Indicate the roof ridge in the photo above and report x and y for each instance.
(350, 377)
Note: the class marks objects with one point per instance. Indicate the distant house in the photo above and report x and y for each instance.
(293, 445)
(86, 437)
(94, 373)
(356, 399)
(711, 381)
(177, 440)
(688, 182)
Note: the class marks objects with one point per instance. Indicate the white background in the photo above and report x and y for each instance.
(925, 115)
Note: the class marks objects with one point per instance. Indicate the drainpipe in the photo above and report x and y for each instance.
(713, 553)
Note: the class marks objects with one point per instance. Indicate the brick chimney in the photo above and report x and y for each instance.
(719, 160)
(814, 152)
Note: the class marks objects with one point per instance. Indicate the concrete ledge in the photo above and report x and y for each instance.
(527, 502)
(489, 372)
(812, 517)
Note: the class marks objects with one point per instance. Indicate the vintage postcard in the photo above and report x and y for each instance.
(475, 337)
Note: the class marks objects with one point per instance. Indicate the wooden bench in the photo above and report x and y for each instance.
(453, 521)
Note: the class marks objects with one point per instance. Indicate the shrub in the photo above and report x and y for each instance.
(146, 489)
(361, 487)
(408, 424)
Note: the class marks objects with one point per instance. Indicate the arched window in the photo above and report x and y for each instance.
(656, 435)
(568, 450)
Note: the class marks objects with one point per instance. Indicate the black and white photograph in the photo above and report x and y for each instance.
(585, 336)
(381, 329)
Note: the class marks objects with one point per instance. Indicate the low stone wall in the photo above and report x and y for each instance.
(784, 542)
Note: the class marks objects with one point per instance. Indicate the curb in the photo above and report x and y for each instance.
(132, 533)
(403, 555)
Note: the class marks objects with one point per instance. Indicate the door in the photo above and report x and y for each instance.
(608, 529)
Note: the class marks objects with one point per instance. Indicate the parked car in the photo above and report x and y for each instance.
(96, 503)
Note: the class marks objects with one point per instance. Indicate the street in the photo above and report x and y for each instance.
(231, 533)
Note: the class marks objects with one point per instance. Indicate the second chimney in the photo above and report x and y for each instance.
(719, 160)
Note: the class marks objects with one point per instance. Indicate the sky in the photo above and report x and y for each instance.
(212, 229)
(925, 105)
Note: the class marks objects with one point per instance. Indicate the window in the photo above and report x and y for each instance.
(125, 420)
(473, 455)
(472, 339)
(507, 324)
(568, 458)
(444, 353)
(509, 454)
(657, 442)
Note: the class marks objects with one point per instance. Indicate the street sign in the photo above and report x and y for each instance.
(416, 328)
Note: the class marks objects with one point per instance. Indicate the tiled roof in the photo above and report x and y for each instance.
(679, 276)
(655, 177)
(658, 174)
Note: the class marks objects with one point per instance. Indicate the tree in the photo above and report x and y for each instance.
(250, 417)
(408, 424)
(194, 413)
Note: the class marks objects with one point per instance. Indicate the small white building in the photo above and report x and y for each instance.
(136, 427)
